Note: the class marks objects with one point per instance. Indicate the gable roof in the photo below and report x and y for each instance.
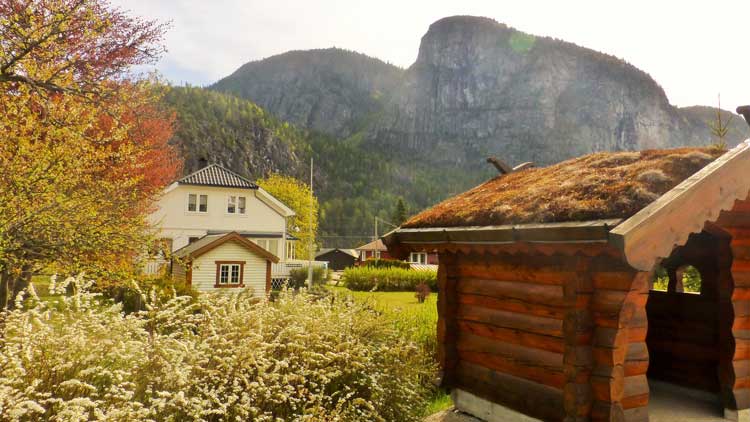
(599, 186)
(651, 233)
(216, 175)
(212, 241)
(375, 245)
(353, 253)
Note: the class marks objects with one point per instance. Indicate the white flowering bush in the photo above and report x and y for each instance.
(220, 358)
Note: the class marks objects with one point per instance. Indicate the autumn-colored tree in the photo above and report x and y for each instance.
(296, 195)
(84, 149)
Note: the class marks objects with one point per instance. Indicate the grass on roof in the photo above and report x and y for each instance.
(596, 186)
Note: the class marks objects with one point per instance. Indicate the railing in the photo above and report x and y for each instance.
(282, 269)
(154, 266)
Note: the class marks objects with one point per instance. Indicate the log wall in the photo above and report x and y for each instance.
(735, 304)
(545, 335)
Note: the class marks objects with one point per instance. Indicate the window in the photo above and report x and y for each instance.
(418, 258)
(684, 279)
(229, 273)
(197, 203)
(290, 249)
(236, 204)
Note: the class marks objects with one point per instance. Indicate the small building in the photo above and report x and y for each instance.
(224, 262)
(338, 259)
(378, 250)
(547, 303)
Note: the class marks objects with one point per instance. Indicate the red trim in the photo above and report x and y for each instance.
(218, 274)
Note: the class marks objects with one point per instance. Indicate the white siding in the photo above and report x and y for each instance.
(176, 223)
(204, 269)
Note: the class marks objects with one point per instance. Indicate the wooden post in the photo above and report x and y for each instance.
(447, 328)
(578, 328)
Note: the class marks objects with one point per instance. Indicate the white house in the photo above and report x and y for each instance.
(224, 262)
(217, 201)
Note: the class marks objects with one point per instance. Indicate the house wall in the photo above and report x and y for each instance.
(204, 269)
(176, 223)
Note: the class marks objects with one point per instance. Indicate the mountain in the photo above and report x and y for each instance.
(329, 90)
(478, 88)
(236, 133)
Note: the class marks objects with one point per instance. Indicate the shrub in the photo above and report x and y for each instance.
(422, 292)
(387, 279)
(222, 357)
(298, 277)
(386, 263)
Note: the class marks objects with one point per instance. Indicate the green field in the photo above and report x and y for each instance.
(419, 318)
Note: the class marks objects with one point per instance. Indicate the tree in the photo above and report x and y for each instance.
(295, 195)
(720, 128)
(399, 214)
(84, 149)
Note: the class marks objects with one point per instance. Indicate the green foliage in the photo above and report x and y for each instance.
(131, 295)
(386, 263)
(298, 277)
(297, 196)
(297, 358)
(387, 279)
(691, 280)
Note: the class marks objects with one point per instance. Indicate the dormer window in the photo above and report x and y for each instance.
(236, 204)
(197, 203)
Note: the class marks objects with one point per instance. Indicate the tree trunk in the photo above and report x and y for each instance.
(4, 288)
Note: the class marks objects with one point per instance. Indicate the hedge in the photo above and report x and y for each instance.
(388, 279)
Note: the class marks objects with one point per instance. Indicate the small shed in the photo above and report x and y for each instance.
(338, 259)
(545, 281)
(224, 262)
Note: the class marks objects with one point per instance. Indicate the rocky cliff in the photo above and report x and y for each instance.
(479, 88)
(330, 90)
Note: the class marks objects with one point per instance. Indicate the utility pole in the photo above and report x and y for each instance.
(310, 251)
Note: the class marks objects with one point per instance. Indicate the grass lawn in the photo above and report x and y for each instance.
(412, 314)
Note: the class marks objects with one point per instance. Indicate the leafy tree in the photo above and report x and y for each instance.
(297, 196)
(84, 149)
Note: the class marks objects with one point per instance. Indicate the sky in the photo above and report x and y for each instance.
(695, 50)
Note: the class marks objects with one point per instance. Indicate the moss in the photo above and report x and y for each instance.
(595, 186)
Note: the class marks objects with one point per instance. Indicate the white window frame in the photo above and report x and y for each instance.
(197, 203)
(418, 255)
(233, 199)
(230, 274)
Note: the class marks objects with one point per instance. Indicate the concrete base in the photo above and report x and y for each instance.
(737, 415)
(485, 409)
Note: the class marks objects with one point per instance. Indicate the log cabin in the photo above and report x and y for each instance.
(546, 303)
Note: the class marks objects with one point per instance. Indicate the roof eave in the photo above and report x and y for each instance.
(586, 231)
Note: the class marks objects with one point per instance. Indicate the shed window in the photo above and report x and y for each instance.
(197, 203)
(236, 204)
(229, 273)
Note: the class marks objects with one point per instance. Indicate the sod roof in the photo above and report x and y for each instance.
(605, 185)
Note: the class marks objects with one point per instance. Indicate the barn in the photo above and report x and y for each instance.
(548, 303)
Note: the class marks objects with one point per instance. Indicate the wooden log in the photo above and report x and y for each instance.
(447, 328)
(499, 363)
(636, 392)
(513, 336)
(512, 353)
(522, 395)
(511, 320)
(531, 293)
(608, 383)
(520, 274)
(512, 305)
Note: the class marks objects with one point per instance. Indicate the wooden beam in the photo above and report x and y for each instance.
(653, 232)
